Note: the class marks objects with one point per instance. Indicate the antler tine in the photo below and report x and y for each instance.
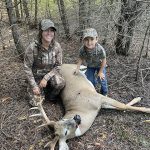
(146, 121)
(52, 143)
(42, 112)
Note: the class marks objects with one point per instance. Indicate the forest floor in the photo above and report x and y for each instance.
(111, 130)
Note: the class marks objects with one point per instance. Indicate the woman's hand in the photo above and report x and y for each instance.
(101, 75)
(36, 91)
(43, 83)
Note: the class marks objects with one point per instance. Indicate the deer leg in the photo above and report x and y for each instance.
(134, 101)
(121, 106)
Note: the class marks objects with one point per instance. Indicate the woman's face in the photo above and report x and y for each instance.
(48, 35)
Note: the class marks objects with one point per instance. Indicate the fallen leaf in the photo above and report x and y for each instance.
(22, 118)
(31, 147)
(81, 144)
(5, 98)
(89, 147)
(97, 144)
(41, 142)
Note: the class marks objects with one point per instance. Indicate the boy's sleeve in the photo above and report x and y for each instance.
(103, 52)
(28, 63)
(81, 53)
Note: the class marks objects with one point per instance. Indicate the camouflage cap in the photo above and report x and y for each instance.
(90, 32)
(47, 23)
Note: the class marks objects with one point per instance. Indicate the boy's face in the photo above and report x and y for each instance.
(90, 42)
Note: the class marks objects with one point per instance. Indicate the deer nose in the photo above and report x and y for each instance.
(77, 119)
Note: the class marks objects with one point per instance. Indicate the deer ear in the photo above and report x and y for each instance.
(77, 119)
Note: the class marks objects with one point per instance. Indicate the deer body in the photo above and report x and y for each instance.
(79, 97)
(82, 104)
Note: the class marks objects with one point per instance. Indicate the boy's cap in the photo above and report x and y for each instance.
(47, 23)
(90, 32)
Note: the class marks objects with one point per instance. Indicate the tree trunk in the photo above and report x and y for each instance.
(17, 10)
(36, 12)
(12, 19)
(139, 60)
(120, 36)
(105, 18)
(21, 10)
(26, 11)
(48, 12)
(147, 47)
(1, 37)
(63, 16)
(126, 23)
(82, 16)
(90, 9)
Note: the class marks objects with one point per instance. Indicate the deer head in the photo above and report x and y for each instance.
(63, 129)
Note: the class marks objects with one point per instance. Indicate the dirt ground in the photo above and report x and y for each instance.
(111, 130)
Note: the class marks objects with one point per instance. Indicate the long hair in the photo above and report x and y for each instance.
(39, 38)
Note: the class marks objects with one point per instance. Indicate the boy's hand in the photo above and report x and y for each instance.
(76, 72)
(36, 91)
(43, 83)
(101, 75)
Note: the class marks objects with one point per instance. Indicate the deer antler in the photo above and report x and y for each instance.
(48, 122)
(42, 112)
(52, 143)
(146, 121)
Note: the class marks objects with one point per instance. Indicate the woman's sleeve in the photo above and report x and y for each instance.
(28, 63)
(58, 62)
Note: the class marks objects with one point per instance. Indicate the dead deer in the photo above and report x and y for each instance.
(82, 104)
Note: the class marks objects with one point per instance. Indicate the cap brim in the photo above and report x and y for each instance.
(48, 28)
(88, 36)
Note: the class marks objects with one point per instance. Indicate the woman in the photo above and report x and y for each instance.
(41, 62)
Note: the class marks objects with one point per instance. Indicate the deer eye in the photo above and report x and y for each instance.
(66, 132)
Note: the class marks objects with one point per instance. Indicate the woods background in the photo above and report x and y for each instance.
(124, 31)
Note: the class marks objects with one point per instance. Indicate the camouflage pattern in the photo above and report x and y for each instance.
(94, 57)
(54, 85)
(40, 63)
(47, 23)
(90, 32)
(31, 97)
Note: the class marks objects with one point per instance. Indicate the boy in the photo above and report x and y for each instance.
(95, 57)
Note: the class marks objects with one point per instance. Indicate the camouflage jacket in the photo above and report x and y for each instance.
(93, 57)
(39, 62)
